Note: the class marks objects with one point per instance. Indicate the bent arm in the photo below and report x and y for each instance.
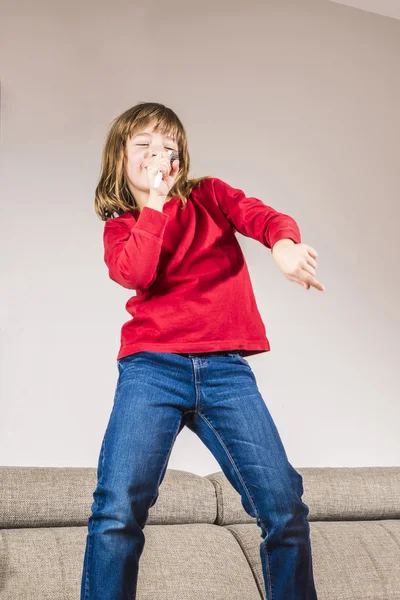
(132, 254)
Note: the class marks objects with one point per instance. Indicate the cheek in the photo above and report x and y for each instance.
(134, 165)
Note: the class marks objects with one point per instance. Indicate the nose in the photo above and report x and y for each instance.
(151, 152)
(155, 149)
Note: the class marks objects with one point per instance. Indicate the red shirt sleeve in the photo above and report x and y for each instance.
(132, 253)
(252, 218)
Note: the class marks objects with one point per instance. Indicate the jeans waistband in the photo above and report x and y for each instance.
(217, 352)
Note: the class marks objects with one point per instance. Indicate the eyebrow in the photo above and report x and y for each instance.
(166, 137)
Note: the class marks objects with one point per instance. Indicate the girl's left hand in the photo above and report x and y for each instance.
(297, 262)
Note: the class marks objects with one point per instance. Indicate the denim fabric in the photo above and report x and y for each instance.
(217, 397)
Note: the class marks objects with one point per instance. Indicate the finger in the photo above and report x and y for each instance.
(165, 167)
(161, 158)
(310, 280)
(311, 261)
(308, 268)
(315, 283)
(297, 280)
(167, 163)
(307, 281)
(158, 164)
(311, 250)
(175, 166)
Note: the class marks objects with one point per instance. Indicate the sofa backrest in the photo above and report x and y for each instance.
(57, 496)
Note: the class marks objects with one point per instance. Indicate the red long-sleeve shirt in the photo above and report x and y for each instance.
(193, 288)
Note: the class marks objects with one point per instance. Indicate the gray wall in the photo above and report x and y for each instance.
(389, 8)
(296, 103)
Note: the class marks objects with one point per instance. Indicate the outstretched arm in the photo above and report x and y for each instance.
(275, 230)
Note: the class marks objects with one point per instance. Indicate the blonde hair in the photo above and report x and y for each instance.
(112, 193)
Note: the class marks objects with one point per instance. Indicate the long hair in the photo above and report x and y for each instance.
(112, 192)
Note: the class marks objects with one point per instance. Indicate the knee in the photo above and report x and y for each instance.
(122, 507)
(296, 481)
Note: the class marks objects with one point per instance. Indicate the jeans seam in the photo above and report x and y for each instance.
(102, 460)
(246, 490)
(196, 387)
(169, 452)
(87, 567)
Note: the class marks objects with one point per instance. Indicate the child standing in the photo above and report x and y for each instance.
(181, 360)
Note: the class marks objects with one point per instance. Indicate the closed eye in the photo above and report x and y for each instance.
(173, 149)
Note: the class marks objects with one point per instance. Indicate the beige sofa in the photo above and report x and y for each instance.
(200, 542)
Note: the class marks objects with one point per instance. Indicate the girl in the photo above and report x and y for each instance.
(181, 360)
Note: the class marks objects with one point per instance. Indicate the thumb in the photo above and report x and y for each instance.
(175, 167)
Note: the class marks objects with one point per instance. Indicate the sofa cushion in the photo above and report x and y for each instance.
(186, 562)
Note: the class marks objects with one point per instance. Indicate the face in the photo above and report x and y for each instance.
(139, 149)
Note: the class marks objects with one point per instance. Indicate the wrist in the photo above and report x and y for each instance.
(156, 202)
(283, 242)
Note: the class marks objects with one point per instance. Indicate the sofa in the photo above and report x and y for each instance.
(200, 542)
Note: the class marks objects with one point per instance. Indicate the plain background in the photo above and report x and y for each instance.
(389, 8)
(294, 102)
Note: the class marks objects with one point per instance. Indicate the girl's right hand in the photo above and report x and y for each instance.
(162, 162)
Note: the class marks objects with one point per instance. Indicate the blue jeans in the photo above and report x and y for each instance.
(216, 395)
